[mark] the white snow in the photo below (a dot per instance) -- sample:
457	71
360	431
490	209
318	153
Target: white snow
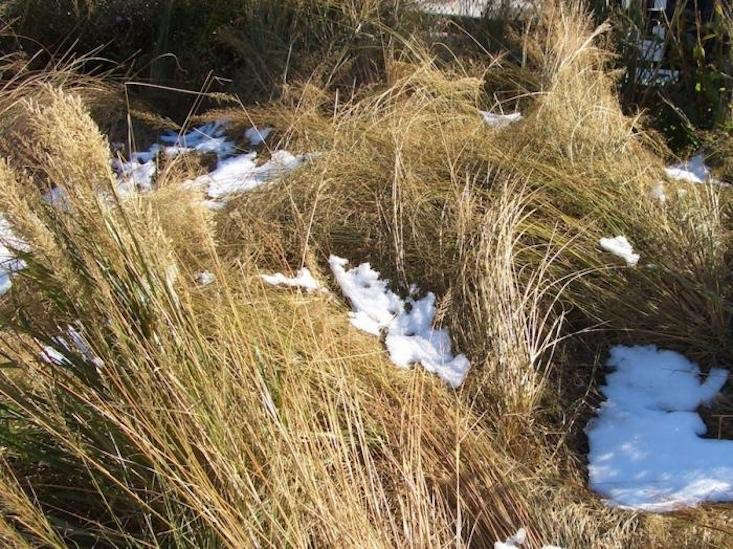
410	337
233	173
500	120
517	540
620	247
204	278
134	176
513	541
210	138
257	136
303	279
137	173
241	173
693	170
645	447
9	263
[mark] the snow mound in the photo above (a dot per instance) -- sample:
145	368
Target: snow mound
645	447
303	279
500	120
410	337
620	247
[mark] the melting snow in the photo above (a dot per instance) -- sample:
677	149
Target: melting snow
500	120
303	279
410	337
645	447
233	174
210	138
693	170
620	247
241	173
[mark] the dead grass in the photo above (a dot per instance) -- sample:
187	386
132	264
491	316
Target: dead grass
237	415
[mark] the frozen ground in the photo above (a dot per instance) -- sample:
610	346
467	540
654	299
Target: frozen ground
646	450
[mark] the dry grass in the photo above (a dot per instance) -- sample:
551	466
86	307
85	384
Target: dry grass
236	415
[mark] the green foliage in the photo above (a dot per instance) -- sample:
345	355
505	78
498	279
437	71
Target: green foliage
697	47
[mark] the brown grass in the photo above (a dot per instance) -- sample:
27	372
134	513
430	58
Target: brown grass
237	415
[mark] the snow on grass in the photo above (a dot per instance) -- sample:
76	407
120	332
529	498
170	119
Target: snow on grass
204	278
137	174
9	263
500	120
408	324
233	173
620	247
645	447
257	136
693	170
210	138
241	173
303	279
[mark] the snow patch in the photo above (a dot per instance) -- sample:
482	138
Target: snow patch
645	447
500	120
204	278
620	247
410	337
241	173
209	138
693	170
303	279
